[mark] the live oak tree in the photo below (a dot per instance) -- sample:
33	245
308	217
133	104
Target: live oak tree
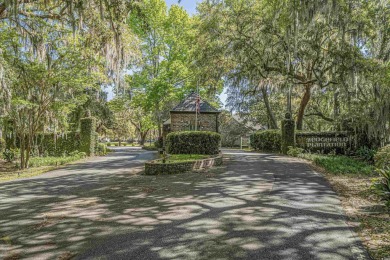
332	54
164	72
128	118
52	52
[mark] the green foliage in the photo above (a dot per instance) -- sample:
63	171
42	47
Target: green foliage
381	186
366	153
58	144
87	135
54	161
108	144
336	164
166	70
294	151
230	129
193	142
382	157
159	143
288	134
101	149
8	133
267	140
9	155
2	145
338	80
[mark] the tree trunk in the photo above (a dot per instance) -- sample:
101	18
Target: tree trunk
159	130
302	107
143	136
273	123
28	150
22	148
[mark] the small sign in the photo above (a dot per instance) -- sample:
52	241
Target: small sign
326	141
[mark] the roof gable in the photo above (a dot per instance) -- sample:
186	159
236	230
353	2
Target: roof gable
189	105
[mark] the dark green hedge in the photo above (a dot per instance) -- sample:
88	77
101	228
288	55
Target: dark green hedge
58	144
88	135
267	140
193	142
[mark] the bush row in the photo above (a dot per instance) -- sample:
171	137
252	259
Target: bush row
58	144
193	142
88	137
267	140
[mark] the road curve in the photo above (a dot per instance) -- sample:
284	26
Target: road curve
257	206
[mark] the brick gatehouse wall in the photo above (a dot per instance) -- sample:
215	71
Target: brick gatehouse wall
186	122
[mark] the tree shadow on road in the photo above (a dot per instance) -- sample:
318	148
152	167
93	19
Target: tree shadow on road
258	207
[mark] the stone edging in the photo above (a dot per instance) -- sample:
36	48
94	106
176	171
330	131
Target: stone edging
156	167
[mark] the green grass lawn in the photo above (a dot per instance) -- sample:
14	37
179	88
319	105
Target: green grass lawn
185	157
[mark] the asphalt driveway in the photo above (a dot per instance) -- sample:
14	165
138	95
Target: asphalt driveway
257	206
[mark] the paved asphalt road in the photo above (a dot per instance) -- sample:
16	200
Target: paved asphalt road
257	206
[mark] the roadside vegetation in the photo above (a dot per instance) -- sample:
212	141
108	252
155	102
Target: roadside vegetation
364	189
10	170
340	165
185	157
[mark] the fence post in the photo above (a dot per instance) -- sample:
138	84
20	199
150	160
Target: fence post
288	133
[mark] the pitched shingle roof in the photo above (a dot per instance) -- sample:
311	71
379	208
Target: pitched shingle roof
189	105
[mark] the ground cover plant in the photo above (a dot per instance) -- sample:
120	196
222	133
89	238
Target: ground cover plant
339	164
363	194
56	161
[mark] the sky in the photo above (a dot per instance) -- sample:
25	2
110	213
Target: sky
189	5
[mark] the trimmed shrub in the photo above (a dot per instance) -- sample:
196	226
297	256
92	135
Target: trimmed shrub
58	144
87	135
193	142
382	157
267	140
